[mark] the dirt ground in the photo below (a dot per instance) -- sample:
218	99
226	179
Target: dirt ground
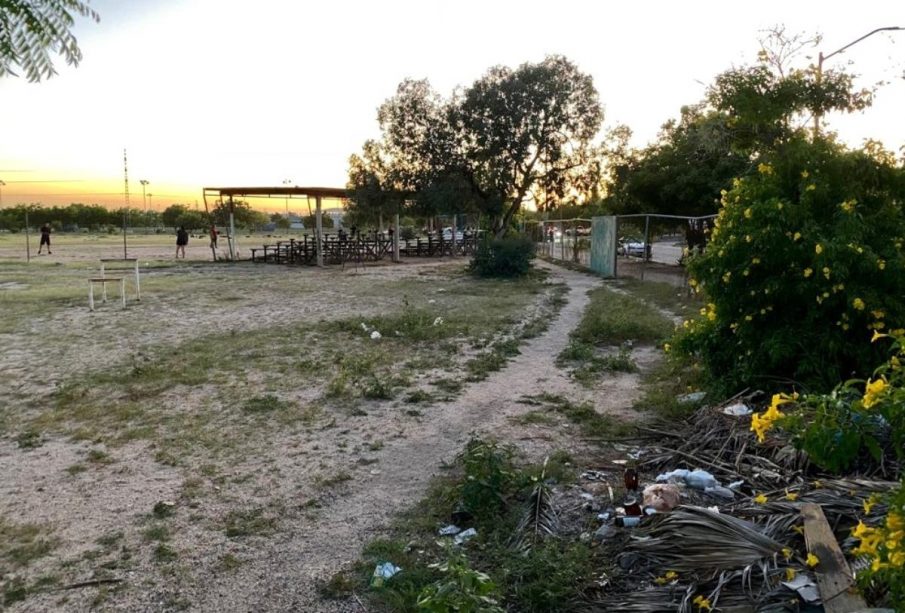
309	499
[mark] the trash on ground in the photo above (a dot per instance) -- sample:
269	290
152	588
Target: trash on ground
662	497
450	530
382	572
805	587
375	335
737	410
465	536
691	398
696	479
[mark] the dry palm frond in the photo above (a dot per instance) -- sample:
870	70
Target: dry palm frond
540	518
695	540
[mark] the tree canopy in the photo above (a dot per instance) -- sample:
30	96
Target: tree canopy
32	30
490	148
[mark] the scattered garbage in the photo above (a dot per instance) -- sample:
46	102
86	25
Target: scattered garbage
737	410
627	522
450	530
438	321
697	479
382	572
662	497
692	398
604	532
465	536
365	327
805	587
375	335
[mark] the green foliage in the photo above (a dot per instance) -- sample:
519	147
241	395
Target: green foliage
552	578
805	259
460	589
858	423
486	150
30	31
490	478
179	215
509	256
884	545
613	318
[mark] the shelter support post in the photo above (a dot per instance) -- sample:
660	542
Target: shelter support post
396	239
319	230
232	232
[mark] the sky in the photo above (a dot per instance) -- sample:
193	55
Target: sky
207	93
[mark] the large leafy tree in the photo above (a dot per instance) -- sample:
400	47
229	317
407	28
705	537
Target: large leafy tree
32	30
488	148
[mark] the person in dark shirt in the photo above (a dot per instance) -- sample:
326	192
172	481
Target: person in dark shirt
182	239
45	238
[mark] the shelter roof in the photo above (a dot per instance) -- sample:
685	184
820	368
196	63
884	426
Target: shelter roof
323	192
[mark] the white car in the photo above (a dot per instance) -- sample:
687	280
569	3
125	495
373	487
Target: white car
448	234
632	248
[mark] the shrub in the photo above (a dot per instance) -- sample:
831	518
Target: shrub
509	256
805	258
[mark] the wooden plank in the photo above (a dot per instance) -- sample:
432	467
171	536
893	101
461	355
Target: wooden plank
834	577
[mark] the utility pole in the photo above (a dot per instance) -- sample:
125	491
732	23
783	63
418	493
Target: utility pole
287	183
822	58
126	202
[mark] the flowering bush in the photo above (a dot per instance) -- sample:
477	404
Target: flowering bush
859	421
805	255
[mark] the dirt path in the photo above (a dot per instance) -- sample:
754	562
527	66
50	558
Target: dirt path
284	576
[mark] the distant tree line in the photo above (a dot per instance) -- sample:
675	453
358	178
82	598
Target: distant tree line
97	218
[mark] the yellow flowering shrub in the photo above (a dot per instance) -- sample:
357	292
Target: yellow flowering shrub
801	257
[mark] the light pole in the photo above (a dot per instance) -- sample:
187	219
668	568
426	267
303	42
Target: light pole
287	183
821	58
144	204
150	206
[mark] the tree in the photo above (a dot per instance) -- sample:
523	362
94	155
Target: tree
513	131
30	30
526	128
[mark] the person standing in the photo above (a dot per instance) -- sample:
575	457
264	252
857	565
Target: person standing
182	239
45	238
214	235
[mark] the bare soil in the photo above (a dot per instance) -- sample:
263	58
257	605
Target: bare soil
309	499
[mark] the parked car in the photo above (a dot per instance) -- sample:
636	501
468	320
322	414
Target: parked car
448	234
632	248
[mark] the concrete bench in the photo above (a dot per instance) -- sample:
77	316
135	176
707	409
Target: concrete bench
104	281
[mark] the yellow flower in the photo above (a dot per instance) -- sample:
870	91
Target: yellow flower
666	347
858	304
818	248
787	553
748	238
670	575
878	313
895	522
872	391
877	336
881	264
796	236
811	187
826	272
779	205
808	272
727	277
748	318
860	531
812	560
759	426
804	174
692	282
760	499
897	559
748	213
791	496
849	205
868	505
790	574
755	260
702	603
877	565
765	169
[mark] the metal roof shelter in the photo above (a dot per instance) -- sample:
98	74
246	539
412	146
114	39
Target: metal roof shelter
226	194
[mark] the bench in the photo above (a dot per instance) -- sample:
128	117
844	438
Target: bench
134	263
104	281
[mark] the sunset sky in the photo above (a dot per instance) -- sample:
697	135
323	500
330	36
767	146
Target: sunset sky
219	92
